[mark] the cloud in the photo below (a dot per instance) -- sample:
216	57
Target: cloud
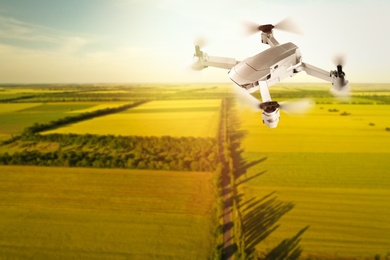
63	65
31	36
11	28
73	44
32	53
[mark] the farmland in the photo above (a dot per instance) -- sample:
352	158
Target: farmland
316	187
323	130
45	103
14	117
198	118
93	213
86	212
331	167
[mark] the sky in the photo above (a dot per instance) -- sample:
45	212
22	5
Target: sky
152	41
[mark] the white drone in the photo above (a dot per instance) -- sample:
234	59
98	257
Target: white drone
270	67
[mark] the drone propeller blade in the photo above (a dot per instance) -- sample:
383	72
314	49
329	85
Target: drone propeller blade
246	100
200	41
250	27
198	59
339	60
341	88
296	107
288	25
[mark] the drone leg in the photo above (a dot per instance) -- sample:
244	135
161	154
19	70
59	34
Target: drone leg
264	91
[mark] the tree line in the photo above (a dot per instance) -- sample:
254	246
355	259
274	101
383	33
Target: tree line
39	127
15	99
108	151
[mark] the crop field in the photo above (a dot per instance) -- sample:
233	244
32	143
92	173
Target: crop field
198	118
84	213
9	108
318	186
99	106
14	117
323	129
331	167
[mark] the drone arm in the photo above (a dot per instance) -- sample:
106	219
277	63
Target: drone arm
317	72
205	61
220	62
340	85
268	38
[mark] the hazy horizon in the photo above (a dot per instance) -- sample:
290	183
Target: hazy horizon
132	41
186	83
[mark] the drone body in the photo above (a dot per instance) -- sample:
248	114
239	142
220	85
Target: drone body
268	68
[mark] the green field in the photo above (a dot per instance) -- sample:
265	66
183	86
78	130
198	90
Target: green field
68	213
332	169
198	118
14	117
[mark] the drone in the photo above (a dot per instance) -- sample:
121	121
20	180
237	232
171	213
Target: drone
270	67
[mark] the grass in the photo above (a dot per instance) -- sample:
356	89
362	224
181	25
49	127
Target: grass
198	118
96	213
333	169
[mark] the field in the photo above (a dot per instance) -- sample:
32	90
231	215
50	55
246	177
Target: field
48	212
331	169
84	213
322	131
14	117
198	118
316	187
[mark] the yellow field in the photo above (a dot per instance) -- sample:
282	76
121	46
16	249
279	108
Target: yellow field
330	170
179	104
82	213
9	107
321	130
198	118
7	91
376	93
99	107
342	222
14	117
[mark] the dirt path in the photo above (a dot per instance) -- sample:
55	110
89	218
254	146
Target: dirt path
229	247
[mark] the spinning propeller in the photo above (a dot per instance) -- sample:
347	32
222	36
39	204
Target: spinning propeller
197	62
292	107
286	24
200	42
341	86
